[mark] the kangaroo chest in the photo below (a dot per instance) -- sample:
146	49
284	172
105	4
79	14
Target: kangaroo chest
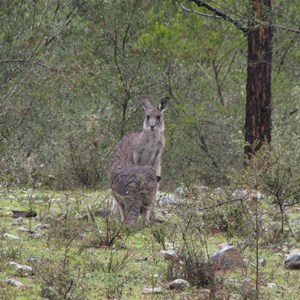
150	148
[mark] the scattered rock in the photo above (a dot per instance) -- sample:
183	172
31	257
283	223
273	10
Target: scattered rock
14	282
23	214
166	199
141	259
297	221
24	229
154	290
170	255
18	221
33	259
10	236
292	261
21	268
224	245
181	190
41	226
262	262
247	194
227	258
179	284
36	235
271	285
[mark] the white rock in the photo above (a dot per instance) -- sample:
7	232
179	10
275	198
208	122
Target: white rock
227	258
262	262
247	194
292	261
10	236
179	284
41	226
154	290
33	259
21	268
166	199
14	282
18	221
181	190
24	229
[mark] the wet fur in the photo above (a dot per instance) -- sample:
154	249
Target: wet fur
134	189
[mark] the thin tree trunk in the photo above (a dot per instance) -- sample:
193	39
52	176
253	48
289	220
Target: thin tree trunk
258	123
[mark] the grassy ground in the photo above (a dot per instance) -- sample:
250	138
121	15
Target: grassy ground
82	256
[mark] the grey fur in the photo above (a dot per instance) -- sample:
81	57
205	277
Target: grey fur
136	167
144	147
134	189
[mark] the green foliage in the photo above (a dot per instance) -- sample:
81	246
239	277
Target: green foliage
67	264
72	75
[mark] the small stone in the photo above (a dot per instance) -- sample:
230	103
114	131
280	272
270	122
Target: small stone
36	235
297	221
170	255
247	194
10	236
24	229
155	290
179	284
271	285
262	262
21	268
181	190
41	226
33	259
14	282
141	259
227	258
167	199
224	245
292	261
18	221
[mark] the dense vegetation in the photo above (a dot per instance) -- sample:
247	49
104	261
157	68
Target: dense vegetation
73	73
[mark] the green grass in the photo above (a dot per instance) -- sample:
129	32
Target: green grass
76	263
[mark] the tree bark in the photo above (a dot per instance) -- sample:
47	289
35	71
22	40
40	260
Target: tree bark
258	123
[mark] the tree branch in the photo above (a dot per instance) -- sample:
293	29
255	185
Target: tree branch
50	68
286	28
221	15
221	203
198	13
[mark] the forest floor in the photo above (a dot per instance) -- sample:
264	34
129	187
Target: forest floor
68	251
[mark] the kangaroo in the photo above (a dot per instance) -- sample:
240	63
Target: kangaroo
136	167
144	147
134	190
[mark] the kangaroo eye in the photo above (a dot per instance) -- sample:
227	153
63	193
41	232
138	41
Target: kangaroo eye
158	118
148	118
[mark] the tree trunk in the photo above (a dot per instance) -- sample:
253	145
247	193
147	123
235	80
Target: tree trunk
258	123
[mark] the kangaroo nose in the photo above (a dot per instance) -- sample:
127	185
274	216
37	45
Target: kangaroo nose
152	127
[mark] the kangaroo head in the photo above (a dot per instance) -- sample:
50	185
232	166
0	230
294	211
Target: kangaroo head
154	119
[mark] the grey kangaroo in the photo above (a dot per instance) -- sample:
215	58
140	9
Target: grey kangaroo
136	167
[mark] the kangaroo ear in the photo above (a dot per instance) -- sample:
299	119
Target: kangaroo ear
164	103
146	104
